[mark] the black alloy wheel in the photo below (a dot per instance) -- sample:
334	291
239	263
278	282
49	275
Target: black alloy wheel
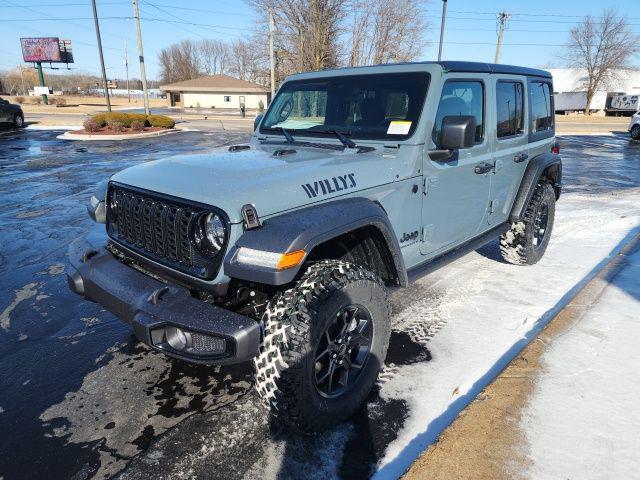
540	223
343	351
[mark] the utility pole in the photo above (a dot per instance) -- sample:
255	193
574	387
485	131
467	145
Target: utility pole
126	69
143	73
271	55
104	72
502	23
444	16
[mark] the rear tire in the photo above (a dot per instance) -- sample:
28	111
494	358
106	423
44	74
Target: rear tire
336	312
18	120
527	240
635	131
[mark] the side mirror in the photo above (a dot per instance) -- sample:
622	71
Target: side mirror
256	121
458	131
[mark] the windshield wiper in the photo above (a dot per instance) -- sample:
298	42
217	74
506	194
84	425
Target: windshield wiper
347	142
286	134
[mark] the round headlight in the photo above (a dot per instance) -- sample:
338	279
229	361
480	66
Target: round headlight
210	234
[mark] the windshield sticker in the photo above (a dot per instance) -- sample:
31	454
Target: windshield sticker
399	127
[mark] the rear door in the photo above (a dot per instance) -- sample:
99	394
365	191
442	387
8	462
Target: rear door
510	139
456	196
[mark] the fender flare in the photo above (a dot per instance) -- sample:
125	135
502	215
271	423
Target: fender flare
306	228
537	166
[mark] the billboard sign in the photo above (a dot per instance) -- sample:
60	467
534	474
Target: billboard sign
66	54
43	49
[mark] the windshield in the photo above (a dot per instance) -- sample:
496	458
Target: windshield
378	107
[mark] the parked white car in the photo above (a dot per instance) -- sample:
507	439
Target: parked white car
634	126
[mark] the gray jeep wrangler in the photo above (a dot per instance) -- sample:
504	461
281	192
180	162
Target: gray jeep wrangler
283	251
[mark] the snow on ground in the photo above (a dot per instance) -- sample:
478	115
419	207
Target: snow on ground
583	419
485	319
53	127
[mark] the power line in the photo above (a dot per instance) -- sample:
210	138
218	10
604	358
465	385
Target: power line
184	22
176	17
57	19
517	20
46	5
201	10
522	14
52	16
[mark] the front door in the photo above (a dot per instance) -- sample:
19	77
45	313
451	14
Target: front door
456	192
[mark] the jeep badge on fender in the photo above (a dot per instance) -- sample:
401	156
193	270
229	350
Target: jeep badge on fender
299	285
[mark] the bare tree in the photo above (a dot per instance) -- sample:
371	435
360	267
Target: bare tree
214	56
384	31
600	46
307	32
247	60
180	61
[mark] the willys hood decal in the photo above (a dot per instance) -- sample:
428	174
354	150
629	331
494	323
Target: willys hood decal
229	180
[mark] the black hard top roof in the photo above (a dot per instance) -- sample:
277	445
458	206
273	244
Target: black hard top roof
454	66
450	66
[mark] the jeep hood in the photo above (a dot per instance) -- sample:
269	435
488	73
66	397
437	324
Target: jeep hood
229	180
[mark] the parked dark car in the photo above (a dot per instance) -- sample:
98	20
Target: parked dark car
11	113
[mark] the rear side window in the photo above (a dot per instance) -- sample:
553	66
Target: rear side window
541	111
461	98
509	108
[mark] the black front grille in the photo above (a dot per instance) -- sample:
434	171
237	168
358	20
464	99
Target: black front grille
158	227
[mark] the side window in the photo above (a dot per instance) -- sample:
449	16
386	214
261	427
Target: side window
227	98
541	112
461	97
509	109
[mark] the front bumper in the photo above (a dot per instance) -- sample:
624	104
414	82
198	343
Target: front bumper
150	306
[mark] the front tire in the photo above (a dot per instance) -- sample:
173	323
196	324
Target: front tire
325	341
635	131
527	240
18	120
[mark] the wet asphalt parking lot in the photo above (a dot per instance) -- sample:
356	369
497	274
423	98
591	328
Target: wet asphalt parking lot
81	398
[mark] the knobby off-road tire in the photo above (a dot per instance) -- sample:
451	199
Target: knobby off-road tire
523	244
295	327
635	131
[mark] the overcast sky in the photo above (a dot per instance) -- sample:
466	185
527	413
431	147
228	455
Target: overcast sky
535	34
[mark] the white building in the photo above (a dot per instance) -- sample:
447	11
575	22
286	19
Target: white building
217	91
569	85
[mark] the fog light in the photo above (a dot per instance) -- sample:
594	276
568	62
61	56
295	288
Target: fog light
177	339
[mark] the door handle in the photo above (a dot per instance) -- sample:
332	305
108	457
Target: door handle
483	168
521	157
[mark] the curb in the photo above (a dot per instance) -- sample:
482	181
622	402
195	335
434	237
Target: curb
127	136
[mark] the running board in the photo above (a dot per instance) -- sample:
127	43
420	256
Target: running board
440	261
